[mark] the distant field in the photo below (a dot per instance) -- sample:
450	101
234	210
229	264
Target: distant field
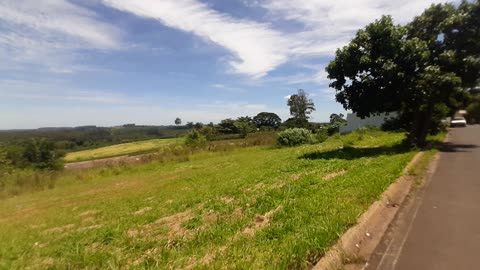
118	150
250	208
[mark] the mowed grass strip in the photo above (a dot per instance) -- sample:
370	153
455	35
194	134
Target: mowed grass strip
119	150
252	208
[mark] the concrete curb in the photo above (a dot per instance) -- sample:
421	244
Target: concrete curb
359	242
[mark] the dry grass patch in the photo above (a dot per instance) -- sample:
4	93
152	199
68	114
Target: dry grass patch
172	223
333	175
260	222
60	229
88	213
142	211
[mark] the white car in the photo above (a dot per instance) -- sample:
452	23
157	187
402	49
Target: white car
458	122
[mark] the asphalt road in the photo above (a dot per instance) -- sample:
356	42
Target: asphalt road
439	227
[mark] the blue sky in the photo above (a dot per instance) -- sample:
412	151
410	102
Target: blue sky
110	62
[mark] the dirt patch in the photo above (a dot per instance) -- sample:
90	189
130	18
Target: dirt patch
149	253
37	226
333	175
296	176
142	211
172	223
260	222
46	263
81	165
227	199
94	247
211	217
89	213
88	228
60	229
89	220
237	213
254	187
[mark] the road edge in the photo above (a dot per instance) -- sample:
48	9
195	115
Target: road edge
354	248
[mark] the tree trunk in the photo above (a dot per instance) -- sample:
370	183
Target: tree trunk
420	126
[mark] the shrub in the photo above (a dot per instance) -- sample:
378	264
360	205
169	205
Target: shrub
42	155
294	136
319	136
195	139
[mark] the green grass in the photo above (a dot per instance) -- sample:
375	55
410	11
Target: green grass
250	208
119	150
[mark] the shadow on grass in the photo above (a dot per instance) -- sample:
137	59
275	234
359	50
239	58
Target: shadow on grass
350	153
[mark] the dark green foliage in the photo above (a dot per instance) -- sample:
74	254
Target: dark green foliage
267	119
294	136
42	154
227	126
421	70
82	138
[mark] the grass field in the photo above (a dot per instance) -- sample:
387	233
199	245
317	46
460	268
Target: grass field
251	208
119	150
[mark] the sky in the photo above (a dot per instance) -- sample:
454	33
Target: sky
111	62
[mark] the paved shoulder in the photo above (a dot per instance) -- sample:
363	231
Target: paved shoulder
440	228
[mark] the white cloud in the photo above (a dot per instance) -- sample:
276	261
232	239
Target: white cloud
257	48
48	33
340	16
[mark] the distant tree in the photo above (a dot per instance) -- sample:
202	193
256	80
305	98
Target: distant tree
178	121
300	107
42	154
198	125
244	125
227	126
337	119
421	70
267	119
190	125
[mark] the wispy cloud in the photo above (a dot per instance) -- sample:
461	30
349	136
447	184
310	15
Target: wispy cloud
257	49
48	33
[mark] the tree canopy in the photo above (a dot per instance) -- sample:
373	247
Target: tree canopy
267	119
422	70
300	107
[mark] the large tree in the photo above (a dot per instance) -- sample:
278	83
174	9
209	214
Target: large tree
267	119
414	70
301	106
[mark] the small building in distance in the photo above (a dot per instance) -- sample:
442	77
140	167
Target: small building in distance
354	122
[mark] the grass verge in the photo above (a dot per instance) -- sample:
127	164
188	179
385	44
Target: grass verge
255	207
